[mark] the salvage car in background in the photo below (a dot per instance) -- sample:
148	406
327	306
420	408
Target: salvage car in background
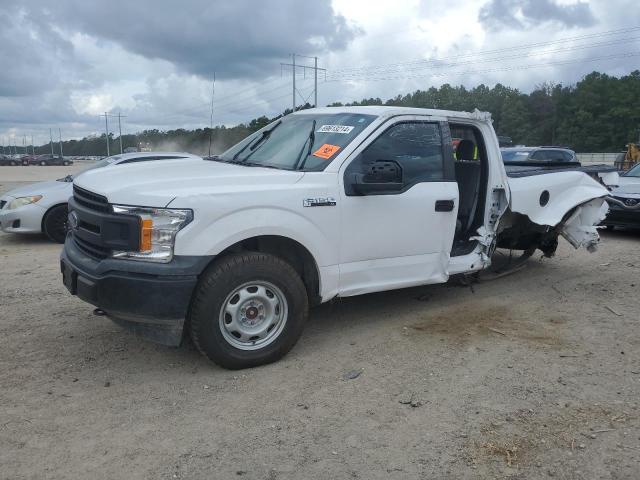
630	177
7	161
627	216
42	207
550	155
49	160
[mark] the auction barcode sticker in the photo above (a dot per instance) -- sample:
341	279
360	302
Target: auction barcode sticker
335	129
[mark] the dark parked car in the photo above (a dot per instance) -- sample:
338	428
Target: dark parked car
538	155
624	217
6	161
48	159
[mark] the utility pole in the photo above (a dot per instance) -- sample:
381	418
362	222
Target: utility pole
294	69
51	141
213	92
120	132
60	138
293	57
3	145
106	116
106	129
24	143
33	146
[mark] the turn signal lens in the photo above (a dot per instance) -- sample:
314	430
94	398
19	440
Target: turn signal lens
146	228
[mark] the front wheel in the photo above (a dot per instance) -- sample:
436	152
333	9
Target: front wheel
54	223
43	163
249	309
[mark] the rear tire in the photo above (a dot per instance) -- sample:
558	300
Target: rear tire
249	309
54	224
43	163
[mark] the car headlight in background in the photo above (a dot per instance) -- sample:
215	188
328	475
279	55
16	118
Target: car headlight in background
22	201
158	230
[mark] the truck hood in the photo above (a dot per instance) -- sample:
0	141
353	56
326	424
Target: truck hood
156	184
40	188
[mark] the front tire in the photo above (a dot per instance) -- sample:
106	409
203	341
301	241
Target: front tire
43	163
54	224
249	309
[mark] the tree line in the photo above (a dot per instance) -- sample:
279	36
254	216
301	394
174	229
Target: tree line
601	113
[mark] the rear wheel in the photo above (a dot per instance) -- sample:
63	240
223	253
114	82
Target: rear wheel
43	163
54	223
13	163
249	309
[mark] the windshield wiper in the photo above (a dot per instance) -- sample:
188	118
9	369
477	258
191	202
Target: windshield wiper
310	138
256	143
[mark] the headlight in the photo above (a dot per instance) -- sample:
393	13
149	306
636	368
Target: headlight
158	230
22	201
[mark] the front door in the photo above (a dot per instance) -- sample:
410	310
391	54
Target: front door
399	234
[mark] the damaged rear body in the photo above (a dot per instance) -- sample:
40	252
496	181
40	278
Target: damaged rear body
545	205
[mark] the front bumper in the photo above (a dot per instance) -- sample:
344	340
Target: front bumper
151	299
26	219
619	217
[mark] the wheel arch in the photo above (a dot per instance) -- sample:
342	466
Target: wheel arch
61	204
289	250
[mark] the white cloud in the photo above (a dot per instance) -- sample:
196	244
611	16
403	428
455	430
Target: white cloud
67	72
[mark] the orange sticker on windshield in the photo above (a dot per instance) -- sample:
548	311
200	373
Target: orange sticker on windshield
326	151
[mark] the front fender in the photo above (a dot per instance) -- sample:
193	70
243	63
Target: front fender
215	237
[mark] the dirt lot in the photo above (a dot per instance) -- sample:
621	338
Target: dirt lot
532	375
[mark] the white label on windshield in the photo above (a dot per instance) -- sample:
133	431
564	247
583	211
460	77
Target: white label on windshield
335	129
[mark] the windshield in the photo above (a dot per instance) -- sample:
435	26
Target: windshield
514	155
304	142
634	172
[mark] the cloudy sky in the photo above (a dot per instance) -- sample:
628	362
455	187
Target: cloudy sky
66	62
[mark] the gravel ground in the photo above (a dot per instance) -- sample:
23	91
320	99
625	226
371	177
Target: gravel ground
533	375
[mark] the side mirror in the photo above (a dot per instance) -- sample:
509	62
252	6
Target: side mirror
382	176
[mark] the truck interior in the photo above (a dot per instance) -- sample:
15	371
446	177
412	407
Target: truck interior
471	169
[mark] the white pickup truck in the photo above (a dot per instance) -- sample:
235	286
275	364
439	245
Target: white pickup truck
323	203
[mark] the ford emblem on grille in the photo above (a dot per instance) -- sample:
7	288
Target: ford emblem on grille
72	222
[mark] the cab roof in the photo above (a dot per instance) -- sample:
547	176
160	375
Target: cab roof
387	111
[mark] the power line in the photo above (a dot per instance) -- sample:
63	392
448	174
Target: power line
499	50
500	69
438	64
304	68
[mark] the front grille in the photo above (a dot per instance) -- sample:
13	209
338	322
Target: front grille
91	200
91	249
96	230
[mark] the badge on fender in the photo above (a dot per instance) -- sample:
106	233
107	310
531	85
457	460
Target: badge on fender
319	202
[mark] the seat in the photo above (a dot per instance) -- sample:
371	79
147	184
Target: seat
468	179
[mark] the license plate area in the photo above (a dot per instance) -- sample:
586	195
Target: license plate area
69	278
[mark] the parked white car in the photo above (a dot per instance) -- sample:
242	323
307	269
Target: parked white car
42	207
630	177
322	203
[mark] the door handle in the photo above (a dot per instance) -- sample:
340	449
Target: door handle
444	205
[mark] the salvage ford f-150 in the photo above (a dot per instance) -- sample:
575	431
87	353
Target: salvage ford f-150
322	203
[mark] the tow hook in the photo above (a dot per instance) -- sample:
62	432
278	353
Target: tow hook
98	312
